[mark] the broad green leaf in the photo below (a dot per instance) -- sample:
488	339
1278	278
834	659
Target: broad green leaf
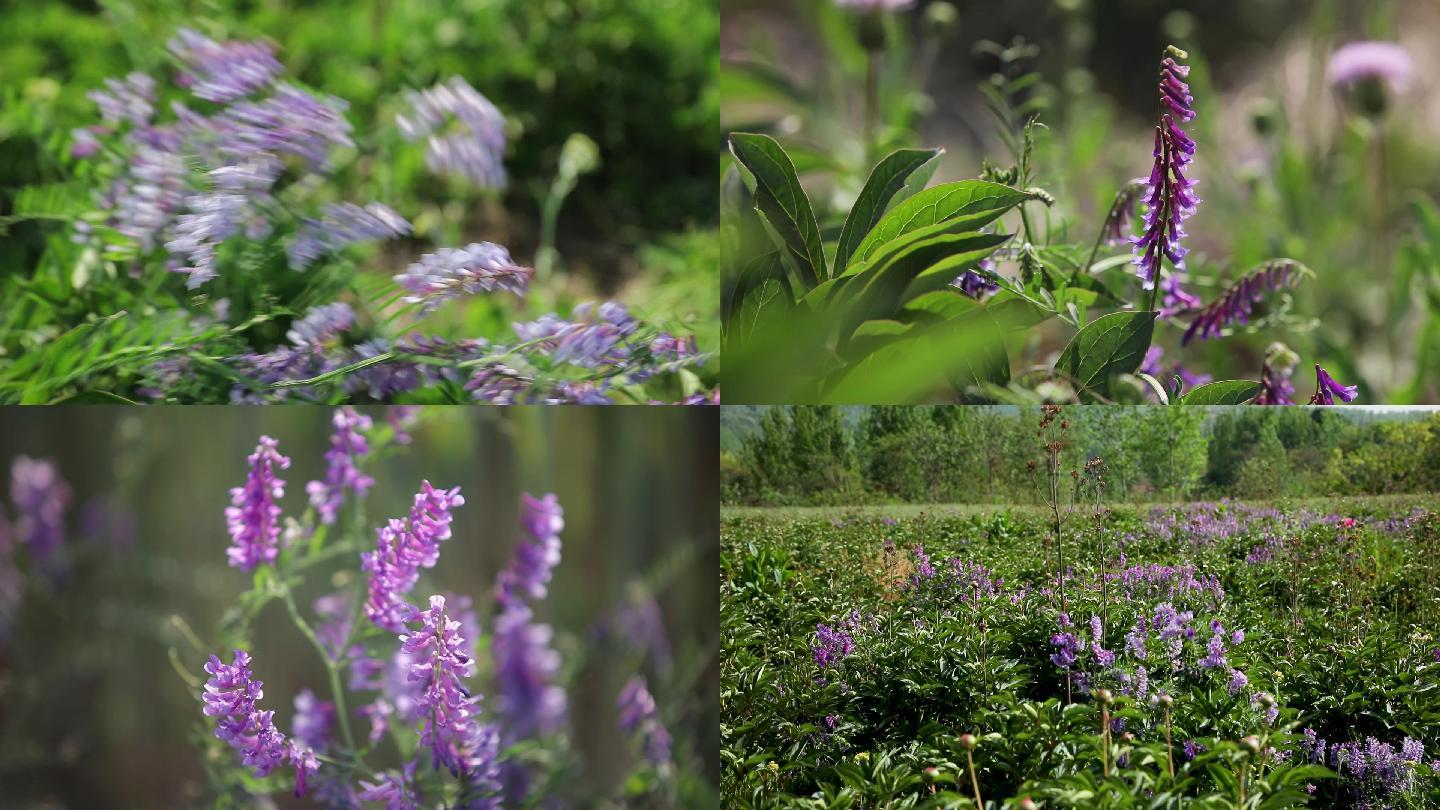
781	200
964	351
937	205
886	180
1225	392
872	335
1114	344
763	292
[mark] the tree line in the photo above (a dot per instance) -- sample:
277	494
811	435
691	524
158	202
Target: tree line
828	455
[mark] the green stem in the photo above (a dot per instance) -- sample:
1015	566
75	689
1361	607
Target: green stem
330	669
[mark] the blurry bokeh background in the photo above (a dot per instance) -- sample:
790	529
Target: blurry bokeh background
1288	164
93	715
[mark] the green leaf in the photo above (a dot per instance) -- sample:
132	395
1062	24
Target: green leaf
937	205
1225	392
781	200
886	180
1114	344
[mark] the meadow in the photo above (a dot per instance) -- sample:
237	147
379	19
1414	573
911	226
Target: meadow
1204	654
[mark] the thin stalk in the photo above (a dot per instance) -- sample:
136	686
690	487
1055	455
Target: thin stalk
974	780
1105	739
1169	750
331	671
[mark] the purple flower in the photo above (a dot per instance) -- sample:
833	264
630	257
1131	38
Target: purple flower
1170	199
41	497
537	554
1386	62
230	697
223	72
395	789
638	716
1070	646
1237	303
452	272
451	730
343	224
342	471
1192	749
1215	652
321	324
289	121
401	419
253	517
314	721
1326	389
1275	385
1117	220
593	339
977	284
464	132
831	645
527	699
130	99
402	549
1237	681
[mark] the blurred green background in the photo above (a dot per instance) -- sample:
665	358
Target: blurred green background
1286	164
637	77
92	714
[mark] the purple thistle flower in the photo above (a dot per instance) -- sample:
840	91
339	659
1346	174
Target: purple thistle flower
41	497
451	730
1170	200
314	721
1386	62
343	224
230	697
253	517
638	716
471	145
452	272
1326	389
223	72
537	554
321	324
342	471
402	549
1236	305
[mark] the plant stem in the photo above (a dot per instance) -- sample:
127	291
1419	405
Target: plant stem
1169	751
1105	740
873	59
332	673
974	780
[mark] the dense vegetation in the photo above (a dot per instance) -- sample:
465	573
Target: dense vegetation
827	455
1223	655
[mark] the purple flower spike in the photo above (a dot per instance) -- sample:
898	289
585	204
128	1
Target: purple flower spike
1326	389
254	516
223	72
537	553
402	549
638	716
314	720
321	324
230	697
1170	199
41	497
394	789
130	99
464	132
454	272
347	447
344	224
451	729
1236	305
525	668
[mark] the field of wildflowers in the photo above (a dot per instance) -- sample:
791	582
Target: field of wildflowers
1083	652
347	204
366	638
1135	203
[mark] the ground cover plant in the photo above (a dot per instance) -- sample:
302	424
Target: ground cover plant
349	650
1083	652
213	219
1076	259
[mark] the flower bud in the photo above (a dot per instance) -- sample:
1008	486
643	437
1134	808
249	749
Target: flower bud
1027	804
967	741
1166	701
941	19
1251	744
931	773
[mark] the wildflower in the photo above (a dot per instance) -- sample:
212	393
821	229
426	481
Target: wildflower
401	418
470	145
537	554
253	517
1385	62
41	497
342	471
1237	681
130	99
223	72
403	547
1117	220
1192	749
1326	389
638	716
230	697
1069	646
451	730
314	720
525	670
394	788
321	324
1275	385
977	284
452	272
1170	200
1215	652
832	645
290	121
343	224
1236	305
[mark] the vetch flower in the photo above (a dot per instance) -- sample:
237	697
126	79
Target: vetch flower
253	517
314	720
1237	681
1326	389
638	716
450	273
451	730
343	224
537	554
230	696
131	99
1170	199
394	788
464	132
342	471
321	324
223	72
40	497
402	549
1237	303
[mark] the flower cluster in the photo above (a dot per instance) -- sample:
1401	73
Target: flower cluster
342	471
1326	389
40	497
253	516
452	272
1372	762
638	716
472	146
1238	302
1170	199
537	553
230	697
402	548
831	645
